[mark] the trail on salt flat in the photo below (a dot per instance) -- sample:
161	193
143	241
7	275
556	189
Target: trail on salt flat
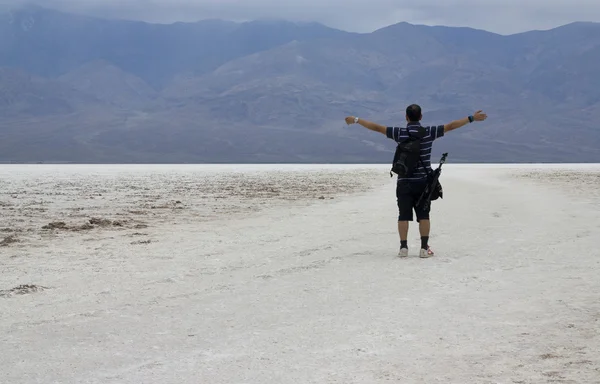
265	288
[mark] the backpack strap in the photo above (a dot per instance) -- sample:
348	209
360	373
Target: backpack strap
429	173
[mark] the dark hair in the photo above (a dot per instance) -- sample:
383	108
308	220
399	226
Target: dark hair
413	112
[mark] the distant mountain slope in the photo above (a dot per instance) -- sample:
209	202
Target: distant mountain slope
112	85
81	89
23	94
51	43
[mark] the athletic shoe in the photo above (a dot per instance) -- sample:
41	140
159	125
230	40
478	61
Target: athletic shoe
403	252
425	253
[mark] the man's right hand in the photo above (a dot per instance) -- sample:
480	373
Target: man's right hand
479	116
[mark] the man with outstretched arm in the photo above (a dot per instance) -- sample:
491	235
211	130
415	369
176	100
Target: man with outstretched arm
410	188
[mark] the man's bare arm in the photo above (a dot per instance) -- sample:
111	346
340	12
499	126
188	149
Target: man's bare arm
365	123
456	124
478	116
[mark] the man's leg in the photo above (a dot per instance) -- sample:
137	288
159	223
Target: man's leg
405	215
403	232
424	228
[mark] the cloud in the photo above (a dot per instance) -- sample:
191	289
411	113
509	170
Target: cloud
501	16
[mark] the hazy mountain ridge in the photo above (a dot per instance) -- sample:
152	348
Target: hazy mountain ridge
111	85
119	91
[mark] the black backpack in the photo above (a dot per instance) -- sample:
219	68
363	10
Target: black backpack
408	154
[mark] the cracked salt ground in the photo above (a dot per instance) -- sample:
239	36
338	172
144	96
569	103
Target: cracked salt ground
301	289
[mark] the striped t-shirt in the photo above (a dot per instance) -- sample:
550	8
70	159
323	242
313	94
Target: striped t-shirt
431	133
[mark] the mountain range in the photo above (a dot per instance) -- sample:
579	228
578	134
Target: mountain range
75	88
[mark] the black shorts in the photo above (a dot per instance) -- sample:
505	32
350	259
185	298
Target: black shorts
407	195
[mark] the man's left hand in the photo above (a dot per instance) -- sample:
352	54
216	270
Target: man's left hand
350	120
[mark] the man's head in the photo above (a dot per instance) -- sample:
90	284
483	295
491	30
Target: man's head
413	113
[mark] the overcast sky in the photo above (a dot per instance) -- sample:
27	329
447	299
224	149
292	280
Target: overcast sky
500	16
